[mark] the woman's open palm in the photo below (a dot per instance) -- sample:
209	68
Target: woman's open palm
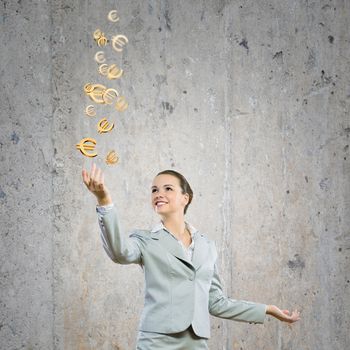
284	315
95	182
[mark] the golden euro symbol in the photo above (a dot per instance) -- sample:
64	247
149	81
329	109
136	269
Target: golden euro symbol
83	146
112	158
103	126
118	42
113	16
100	38
102	41
103	69
100	57
95	92
90	111
109	95
114	72
97	34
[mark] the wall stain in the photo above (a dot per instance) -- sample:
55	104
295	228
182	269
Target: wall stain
167	19
320	86
296	263
278	56
167	106
325	80
311	61
244	43
325	184
202	15
14	137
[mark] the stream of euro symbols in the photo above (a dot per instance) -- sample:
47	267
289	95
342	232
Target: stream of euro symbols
102	95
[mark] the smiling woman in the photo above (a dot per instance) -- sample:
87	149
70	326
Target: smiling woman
182	284
171	193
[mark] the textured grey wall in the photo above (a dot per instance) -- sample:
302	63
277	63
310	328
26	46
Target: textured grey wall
248	99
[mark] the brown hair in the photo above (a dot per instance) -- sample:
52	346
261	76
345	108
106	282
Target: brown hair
185	186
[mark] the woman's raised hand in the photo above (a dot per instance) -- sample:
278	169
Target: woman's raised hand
95	184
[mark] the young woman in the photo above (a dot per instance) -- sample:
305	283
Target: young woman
182	285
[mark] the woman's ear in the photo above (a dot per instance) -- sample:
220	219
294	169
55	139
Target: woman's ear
187	197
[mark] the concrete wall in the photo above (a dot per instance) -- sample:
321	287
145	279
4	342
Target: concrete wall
248	99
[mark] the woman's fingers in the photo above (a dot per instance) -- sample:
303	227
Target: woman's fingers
94	177
83	174
86	177
295	316
93	170
98	179
97	182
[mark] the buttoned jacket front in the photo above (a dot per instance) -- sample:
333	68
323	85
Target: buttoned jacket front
178	292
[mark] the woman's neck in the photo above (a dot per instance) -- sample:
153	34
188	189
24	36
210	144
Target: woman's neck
176	225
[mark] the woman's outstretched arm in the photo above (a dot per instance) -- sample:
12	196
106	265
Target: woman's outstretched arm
123	250
238	310
241	310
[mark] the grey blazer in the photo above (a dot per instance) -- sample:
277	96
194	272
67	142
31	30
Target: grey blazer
178	292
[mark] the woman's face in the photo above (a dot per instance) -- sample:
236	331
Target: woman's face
166	196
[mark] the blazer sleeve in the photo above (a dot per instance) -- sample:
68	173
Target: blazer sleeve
237	310
120	249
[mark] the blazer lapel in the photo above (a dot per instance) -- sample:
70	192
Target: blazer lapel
170	244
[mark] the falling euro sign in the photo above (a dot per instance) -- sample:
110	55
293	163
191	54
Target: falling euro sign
118	42
104	126
83	146
112	158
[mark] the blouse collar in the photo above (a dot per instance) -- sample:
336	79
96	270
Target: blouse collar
160	226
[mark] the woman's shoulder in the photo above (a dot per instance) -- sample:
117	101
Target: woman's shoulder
142	233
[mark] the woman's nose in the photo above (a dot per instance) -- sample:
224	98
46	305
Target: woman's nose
159	194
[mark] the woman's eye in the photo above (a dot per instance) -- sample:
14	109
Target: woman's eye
168	188
153	190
